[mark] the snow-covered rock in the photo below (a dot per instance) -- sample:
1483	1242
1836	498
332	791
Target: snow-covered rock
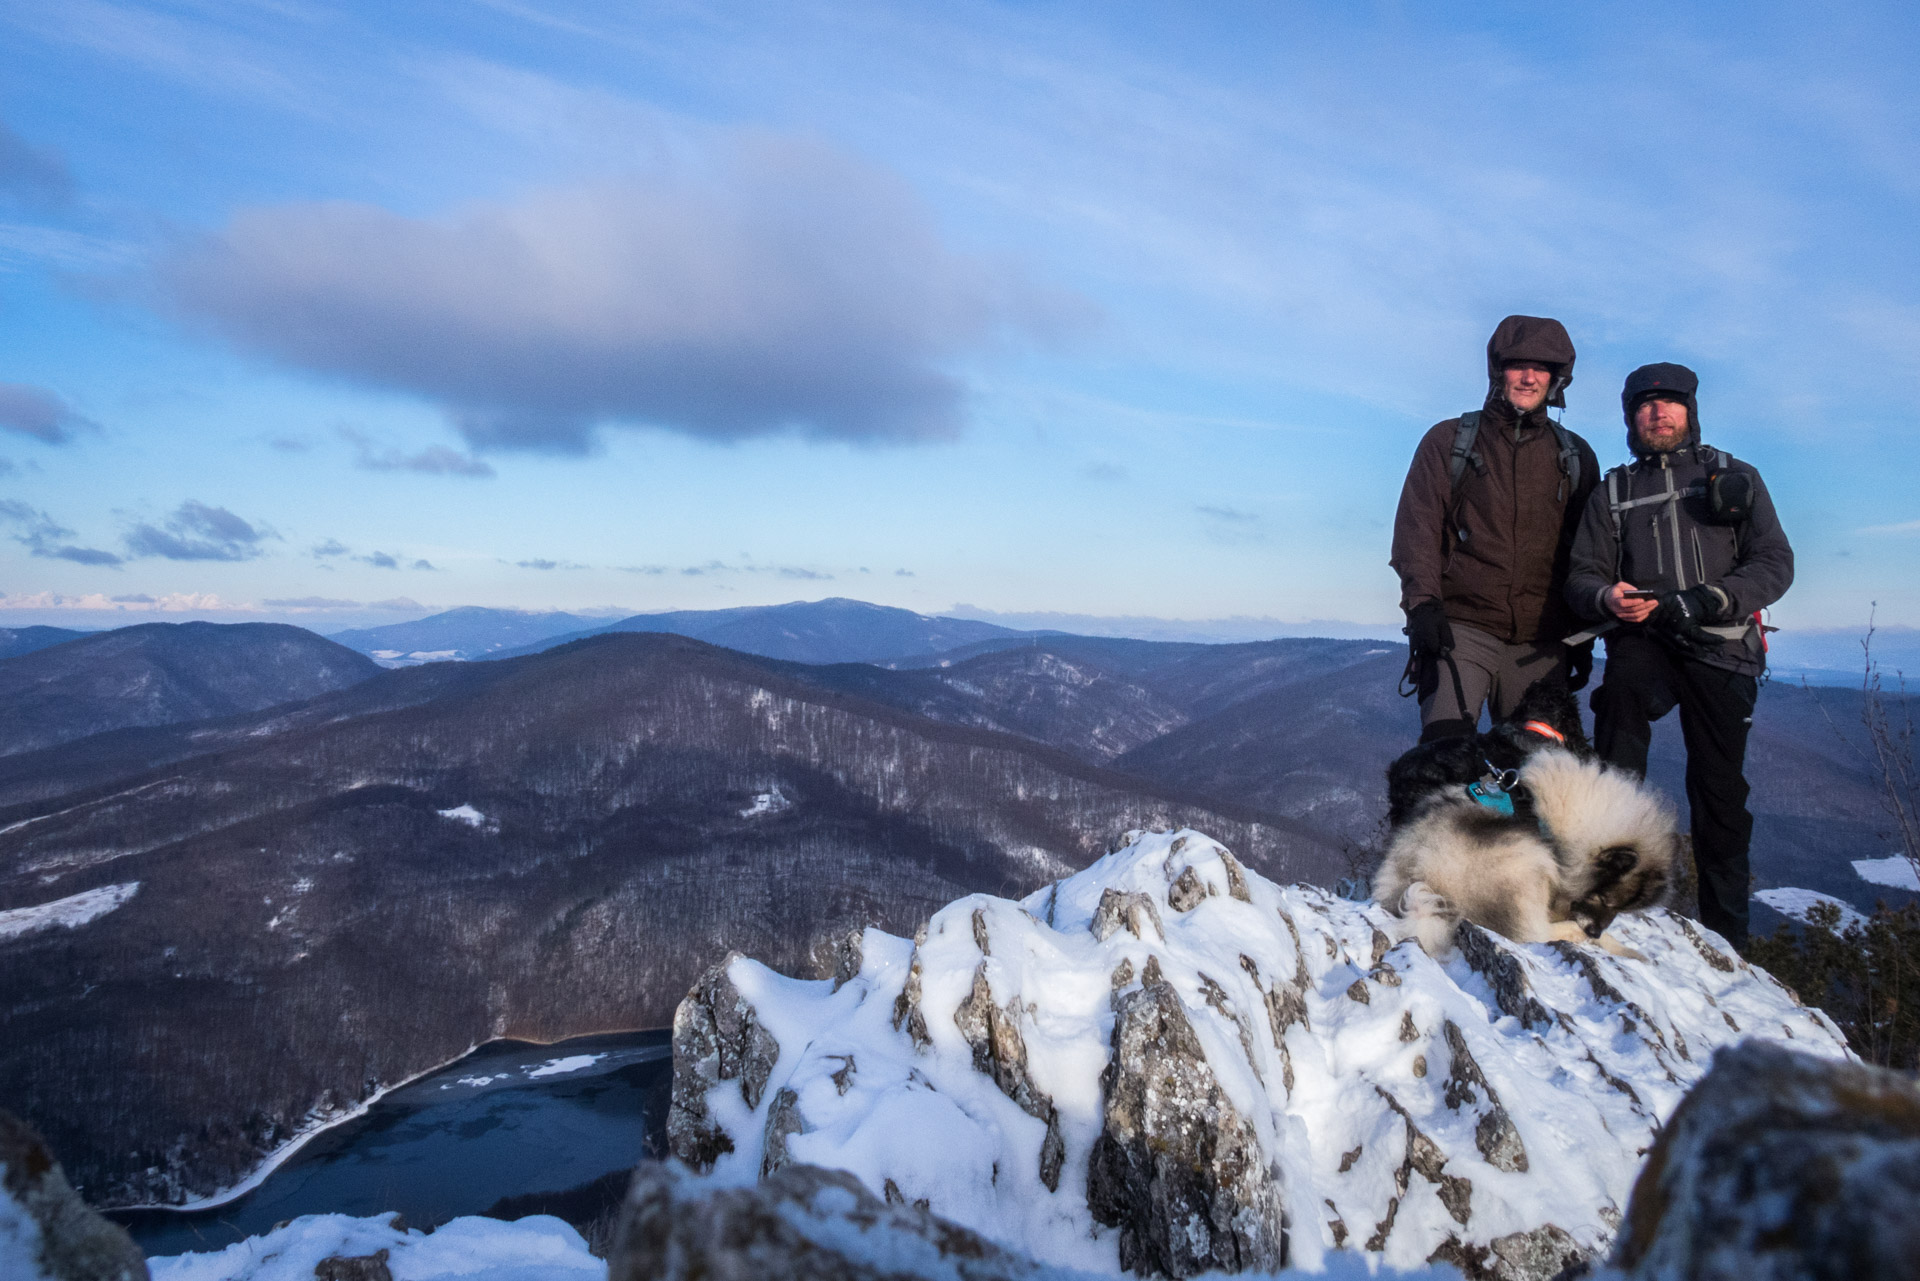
536	1248
1169	1064
1781	1165
805	1223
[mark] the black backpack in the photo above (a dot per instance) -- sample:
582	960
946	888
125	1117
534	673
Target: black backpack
1464	454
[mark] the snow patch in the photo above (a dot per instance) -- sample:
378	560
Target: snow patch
464	814
560	1067
536	1248
1895	872
72	911
1796	903
771	801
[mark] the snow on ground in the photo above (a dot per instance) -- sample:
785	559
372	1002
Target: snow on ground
560	1067
1795	903
1896	872
464	814
1351	1057
72	911
536	1248
771	801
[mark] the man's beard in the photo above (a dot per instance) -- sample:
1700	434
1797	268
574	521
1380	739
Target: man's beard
1663	441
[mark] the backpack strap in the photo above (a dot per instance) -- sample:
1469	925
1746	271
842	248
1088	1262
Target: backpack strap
1569	457
1463	452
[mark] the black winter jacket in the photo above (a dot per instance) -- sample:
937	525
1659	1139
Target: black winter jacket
1671	546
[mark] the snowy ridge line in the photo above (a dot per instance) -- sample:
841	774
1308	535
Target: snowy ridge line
1023	1069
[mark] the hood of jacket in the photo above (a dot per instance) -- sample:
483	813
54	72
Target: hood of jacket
1537	338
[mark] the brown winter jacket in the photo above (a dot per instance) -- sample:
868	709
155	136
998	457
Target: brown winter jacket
1506	577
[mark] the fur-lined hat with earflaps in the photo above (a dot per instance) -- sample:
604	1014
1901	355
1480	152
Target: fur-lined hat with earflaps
1537	338
1667	381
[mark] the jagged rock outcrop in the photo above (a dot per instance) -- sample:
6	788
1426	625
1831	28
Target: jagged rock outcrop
802	1223
47	1233
1168	1063
715	1038
1176	1168
1780	1164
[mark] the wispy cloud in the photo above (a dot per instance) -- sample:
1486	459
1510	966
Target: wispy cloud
32	175
387	560
720	568
43	536
303	604
435	460
1902	527
542	563
39	413
197	531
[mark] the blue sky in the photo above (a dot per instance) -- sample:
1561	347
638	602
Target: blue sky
334	312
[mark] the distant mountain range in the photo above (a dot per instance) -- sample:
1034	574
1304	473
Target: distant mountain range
823	631
24	640
463	634
163	673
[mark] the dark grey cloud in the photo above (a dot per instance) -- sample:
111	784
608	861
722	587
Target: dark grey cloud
197	531
32	175
435	460
781	287
43	536
39	413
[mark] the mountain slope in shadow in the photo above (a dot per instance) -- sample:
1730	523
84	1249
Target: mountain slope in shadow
162	673
337	895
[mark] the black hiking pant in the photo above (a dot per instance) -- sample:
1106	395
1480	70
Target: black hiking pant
1644	681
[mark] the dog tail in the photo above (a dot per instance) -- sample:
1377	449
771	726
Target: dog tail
1430	917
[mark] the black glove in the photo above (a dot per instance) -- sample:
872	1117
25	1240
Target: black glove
1695	607
1579	666
1680	619
1429	634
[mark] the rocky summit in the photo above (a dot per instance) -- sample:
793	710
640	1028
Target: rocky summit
1168	1065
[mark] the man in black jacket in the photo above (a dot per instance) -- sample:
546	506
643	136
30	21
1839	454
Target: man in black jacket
1678	552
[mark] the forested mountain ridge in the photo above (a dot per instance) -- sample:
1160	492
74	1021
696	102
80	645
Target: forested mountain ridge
164	673
350	891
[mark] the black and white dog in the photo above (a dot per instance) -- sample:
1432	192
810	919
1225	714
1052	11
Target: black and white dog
1521	831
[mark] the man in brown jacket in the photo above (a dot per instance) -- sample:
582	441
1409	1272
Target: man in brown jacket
1481	539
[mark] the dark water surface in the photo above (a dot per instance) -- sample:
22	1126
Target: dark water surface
508	1129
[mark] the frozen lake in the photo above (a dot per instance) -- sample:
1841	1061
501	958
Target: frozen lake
512	1128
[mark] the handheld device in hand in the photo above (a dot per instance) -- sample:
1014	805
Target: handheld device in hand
1640	595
